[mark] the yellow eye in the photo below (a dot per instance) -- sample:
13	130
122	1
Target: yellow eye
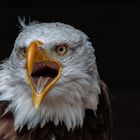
61	49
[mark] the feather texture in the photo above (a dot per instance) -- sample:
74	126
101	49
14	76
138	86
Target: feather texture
77	107
97	127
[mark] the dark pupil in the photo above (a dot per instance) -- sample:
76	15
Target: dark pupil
61	49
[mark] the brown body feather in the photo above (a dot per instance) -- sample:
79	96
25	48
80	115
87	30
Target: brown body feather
96	127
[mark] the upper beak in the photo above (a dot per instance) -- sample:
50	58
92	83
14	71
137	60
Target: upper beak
42	71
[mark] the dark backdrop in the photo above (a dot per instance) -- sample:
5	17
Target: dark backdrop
114	29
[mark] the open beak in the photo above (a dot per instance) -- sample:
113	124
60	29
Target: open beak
42	71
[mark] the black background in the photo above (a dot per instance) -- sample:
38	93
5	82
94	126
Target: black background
114	29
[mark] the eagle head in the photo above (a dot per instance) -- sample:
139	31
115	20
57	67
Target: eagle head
50	76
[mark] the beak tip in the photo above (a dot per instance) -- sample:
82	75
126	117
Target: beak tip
36	102
36	106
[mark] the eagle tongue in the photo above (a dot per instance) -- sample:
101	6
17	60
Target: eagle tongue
41	84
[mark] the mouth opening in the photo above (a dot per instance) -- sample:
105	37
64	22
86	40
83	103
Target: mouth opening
43	74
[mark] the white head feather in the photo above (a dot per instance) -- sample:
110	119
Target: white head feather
76	90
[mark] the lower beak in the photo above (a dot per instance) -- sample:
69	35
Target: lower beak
42	72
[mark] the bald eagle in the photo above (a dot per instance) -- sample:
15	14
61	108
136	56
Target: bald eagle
50	88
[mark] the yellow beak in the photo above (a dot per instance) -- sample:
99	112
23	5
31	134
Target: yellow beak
42	71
